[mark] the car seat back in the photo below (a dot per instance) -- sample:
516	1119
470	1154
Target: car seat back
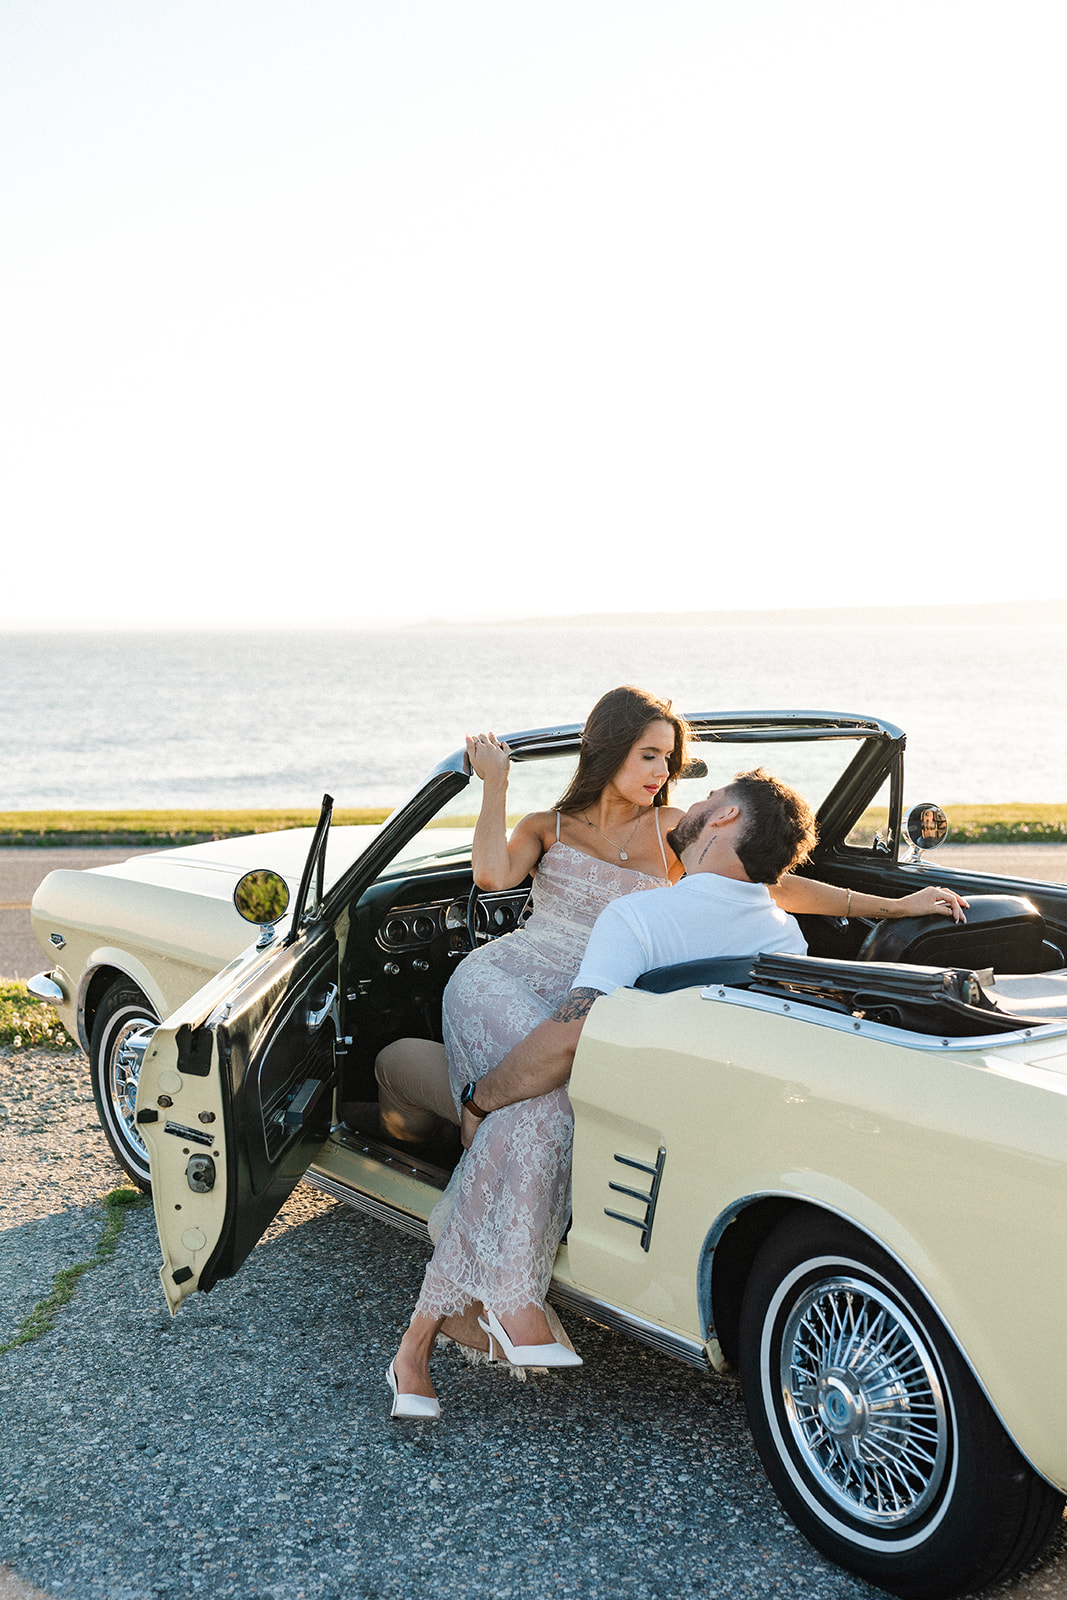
1003	931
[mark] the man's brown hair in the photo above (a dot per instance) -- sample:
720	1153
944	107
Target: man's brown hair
779	829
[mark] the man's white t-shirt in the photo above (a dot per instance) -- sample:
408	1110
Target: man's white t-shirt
702	917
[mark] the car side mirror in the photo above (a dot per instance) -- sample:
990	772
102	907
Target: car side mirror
926	827
262	898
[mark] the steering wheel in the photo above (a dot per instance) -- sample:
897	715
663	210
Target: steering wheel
472	919
506	920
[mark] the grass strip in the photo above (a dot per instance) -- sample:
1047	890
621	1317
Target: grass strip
39	1321
27	1023
1009	824
1021	823
160	829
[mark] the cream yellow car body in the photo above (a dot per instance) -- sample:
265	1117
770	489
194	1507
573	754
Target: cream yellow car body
954	1160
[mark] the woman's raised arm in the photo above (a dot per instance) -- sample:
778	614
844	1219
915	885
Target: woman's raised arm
496	861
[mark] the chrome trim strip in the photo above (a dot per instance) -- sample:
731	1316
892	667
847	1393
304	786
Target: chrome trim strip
415	1227
803	1011
677	1345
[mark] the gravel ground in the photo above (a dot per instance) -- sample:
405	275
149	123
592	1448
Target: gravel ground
244	1449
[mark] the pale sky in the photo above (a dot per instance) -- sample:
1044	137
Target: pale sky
369	308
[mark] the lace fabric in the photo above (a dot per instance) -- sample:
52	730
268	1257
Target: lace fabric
497	1226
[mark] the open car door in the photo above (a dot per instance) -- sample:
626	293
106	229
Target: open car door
237	1087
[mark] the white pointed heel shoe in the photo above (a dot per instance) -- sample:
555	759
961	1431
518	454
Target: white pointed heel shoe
525	1355
410	1405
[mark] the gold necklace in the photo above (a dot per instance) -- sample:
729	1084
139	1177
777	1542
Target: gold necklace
623	854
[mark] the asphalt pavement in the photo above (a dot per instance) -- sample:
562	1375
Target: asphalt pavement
21	870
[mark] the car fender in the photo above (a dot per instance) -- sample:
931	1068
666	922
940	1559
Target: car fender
108	965
723	1265
730	1248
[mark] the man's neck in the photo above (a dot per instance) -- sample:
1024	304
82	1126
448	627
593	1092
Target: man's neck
715	858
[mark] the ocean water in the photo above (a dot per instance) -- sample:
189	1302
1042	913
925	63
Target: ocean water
215	718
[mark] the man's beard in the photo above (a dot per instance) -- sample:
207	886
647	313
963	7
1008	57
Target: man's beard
681	836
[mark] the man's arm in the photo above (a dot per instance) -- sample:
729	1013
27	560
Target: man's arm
797	895
538	1064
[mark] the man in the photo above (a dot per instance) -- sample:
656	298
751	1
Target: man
732	845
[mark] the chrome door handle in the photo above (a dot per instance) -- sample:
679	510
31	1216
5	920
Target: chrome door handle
329	1008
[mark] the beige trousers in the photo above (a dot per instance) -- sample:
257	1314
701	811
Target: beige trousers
413	1089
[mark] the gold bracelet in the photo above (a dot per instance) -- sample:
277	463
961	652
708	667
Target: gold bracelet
848	903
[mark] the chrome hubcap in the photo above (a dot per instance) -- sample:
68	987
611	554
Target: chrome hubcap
864	1401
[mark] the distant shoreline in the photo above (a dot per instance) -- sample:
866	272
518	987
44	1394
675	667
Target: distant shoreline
1007	613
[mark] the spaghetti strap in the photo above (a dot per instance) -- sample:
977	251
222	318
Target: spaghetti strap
557	827
659	836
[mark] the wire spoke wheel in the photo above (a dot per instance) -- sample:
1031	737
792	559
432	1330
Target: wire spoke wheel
870	1425
123	1070
864	1401
115	1066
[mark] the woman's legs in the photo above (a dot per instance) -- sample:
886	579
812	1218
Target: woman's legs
496	1231
411	1364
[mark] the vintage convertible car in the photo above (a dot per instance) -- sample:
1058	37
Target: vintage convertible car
844	1173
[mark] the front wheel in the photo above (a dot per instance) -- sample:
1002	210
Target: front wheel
872	1430
115	1068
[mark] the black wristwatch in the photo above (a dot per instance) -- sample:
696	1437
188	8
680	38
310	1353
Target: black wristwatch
467	1099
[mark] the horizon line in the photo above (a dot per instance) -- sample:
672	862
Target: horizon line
913	612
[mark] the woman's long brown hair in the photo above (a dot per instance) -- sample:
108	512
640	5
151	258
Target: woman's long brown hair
611	730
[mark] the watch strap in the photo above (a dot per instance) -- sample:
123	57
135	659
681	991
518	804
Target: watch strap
467	1099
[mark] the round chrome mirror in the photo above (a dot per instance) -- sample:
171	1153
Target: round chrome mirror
926	826
261	897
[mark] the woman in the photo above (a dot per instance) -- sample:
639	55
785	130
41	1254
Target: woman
606	837
498	1226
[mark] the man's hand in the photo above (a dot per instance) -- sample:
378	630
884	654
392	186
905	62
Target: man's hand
538	1064
468	1126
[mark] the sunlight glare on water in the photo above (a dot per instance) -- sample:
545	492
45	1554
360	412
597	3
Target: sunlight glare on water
234	719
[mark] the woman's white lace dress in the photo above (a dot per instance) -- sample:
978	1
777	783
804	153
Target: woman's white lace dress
498	1224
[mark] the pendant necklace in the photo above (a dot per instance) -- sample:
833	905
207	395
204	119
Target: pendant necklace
623	854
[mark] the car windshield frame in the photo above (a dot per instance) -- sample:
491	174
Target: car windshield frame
877	756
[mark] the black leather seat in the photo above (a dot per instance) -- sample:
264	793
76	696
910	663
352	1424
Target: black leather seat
1003	931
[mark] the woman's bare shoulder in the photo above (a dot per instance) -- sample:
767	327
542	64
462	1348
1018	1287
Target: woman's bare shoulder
536	825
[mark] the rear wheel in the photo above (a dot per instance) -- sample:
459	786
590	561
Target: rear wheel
115	1068
875	1435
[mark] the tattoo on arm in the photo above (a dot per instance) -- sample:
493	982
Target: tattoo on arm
576	1005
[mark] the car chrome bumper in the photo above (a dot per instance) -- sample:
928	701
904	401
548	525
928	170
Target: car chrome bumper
44	987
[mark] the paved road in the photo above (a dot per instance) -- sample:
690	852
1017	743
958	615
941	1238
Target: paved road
21	870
